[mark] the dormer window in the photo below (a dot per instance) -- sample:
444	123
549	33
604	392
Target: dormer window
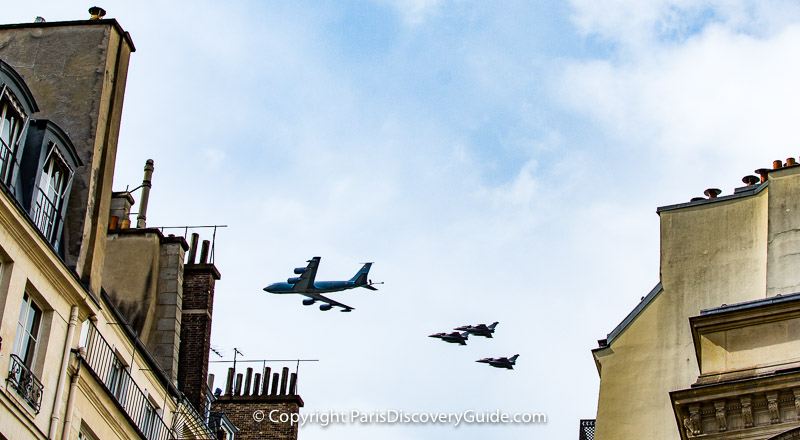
16	106
55	178
48	164
10	128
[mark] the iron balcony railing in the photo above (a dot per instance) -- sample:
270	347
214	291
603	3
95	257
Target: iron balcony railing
46	217
587	429
189	424
25	382
107	367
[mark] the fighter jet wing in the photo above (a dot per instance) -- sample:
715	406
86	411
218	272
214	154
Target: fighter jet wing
307	277
324	299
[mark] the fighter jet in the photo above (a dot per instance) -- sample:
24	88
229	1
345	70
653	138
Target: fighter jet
454	338
306	286
478	330
502	362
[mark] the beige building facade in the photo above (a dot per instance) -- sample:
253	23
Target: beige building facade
105	322
711	351
77	367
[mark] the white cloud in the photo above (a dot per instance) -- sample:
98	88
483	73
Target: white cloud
638	24
721	91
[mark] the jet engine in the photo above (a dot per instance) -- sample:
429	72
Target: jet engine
309	301
299	270
325	307
293	280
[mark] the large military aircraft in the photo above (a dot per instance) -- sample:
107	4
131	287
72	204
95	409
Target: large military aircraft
502	362
306	285
455	337
478	330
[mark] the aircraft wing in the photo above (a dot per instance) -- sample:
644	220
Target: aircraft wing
307	277
324	299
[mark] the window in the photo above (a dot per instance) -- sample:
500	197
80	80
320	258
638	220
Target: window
86	433
20	374
50	195
149	418
30	318
117	380
10	129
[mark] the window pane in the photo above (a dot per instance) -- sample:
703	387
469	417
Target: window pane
30	317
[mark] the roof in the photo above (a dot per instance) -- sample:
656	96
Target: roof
778	299
634	313
744	191
105	21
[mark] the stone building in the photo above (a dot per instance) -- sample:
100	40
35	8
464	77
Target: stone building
105	324
712	351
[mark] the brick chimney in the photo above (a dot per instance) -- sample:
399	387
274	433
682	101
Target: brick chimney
265	392
198	305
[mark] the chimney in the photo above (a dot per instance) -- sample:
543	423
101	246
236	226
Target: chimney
96	13
121	203
196	317
712	193
146	184
750	180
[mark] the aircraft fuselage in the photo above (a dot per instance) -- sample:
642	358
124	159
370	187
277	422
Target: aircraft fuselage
319	287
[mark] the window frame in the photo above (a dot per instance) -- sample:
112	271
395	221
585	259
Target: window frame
10	151
49	222
28	304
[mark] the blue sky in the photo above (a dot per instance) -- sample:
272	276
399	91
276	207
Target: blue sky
497	160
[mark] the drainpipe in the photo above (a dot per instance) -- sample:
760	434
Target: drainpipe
62	375
73	391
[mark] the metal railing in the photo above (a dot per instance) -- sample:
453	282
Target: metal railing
189	424
46	217
105	364
587	429
186	234
25	382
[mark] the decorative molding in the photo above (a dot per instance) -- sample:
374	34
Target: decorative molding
722	421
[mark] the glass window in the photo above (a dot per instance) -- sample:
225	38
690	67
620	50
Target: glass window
52	186
10	128
30	317
148	424
117	379
86	433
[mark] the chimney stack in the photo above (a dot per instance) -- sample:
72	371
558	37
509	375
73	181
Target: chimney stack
146	184
750	180
196	317
712	193
96	13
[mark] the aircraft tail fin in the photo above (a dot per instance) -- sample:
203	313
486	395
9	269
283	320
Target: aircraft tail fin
491	327
514	358
360	278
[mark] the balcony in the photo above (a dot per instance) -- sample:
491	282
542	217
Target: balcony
25	382
46	216
107	369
